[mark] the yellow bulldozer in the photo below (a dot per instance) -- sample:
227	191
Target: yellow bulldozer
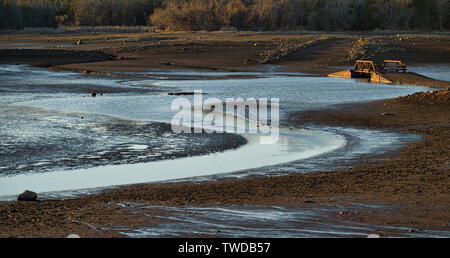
393	66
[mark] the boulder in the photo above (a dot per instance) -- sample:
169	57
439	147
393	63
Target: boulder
373	236
27	196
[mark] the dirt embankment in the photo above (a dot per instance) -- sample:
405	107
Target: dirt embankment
317	53
416	79
410	48
52	57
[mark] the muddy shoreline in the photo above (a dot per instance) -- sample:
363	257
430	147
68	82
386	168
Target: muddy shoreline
414	179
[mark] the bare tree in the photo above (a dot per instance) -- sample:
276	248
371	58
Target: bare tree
394	14
442	7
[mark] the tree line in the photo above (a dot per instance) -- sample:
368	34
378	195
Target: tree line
176	15
18	14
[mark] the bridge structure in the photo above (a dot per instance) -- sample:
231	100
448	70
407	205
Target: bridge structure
368	69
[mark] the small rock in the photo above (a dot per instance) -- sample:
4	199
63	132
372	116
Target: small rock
73	236
27	196
79	42
386	114
373	236
93	94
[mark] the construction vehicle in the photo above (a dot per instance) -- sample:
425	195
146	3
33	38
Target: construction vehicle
393	66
